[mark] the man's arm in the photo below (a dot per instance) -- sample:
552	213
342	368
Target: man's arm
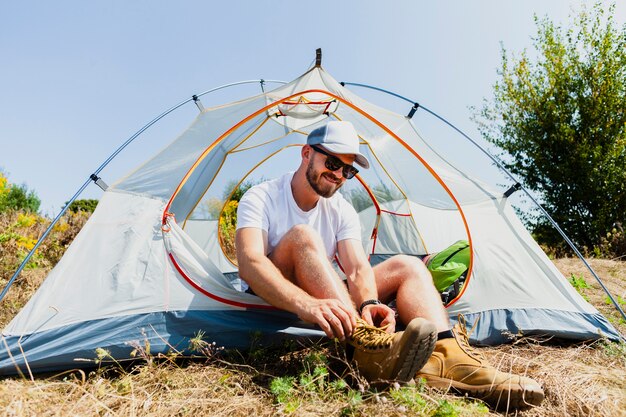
270	284
362	284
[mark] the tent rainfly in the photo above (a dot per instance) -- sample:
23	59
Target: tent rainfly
153	264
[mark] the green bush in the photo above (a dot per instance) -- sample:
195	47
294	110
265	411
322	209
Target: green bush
87	205
557	117
17	197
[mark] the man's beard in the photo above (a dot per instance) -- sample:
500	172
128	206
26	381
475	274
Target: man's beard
319	185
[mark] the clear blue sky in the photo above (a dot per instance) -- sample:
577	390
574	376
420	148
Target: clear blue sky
79	77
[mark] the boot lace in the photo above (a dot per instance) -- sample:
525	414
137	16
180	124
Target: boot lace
463	337
371	337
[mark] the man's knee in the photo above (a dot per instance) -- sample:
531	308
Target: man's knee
303	236
411	267
297	240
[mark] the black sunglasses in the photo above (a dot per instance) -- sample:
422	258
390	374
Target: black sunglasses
333	163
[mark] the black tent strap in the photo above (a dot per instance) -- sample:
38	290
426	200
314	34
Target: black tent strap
512	189
99	182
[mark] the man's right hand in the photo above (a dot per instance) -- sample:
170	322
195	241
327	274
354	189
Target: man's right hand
332	316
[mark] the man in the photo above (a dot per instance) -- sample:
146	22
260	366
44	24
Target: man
289	230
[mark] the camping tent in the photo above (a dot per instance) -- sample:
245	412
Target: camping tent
153	263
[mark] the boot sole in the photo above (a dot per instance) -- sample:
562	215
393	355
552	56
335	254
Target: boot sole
501	397
423	335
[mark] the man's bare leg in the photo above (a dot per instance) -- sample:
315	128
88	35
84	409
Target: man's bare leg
301	257
407	278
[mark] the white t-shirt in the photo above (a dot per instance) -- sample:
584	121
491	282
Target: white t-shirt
270	206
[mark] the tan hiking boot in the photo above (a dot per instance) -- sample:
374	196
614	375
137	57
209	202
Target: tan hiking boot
380	356
456	365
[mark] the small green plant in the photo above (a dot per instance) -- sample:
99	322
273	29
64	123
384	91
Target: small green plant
338	385
619	299
446	409
283	388
409	397
355	399
292	406
124	385
197	344
579	284
616	349
616	320
102	354
314	359
315	381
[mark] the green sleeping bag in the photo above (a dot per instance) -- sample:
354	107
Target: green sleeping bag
449	265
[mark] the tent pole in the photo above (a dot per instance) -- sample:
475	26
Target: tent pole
171	109
512	177
94	177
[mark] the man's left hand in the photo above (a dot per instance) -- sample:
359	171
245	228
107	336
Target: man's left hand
380	315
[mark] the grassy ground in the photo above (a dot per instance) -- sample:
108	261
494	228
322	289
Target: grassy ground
579	380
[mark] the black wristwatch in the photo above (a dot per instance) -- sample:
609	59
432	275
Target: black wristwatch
368	303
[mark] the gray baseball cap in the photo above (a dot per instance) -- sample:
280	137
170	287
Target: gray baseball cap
338	137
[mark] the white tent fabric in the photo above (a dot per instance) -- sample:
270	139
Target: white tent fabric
135	273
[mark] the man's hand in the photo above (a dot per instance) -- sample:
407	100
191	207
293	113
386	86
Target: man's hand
379	315
334	318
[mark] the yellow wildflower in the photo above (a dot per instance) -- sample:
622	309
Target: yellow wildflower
4	184
26	220
26	242
61	227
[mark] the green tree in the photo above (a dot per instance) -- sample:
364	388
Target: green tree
86	205
17	197
559	116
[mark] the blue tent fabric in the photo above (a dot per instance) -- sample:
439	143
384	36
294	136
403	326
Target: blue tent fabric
504	326
74	346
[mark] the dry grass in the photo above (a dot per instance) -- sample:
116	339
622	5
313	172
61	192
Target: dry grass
215	388
579	380
160	390
613	275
